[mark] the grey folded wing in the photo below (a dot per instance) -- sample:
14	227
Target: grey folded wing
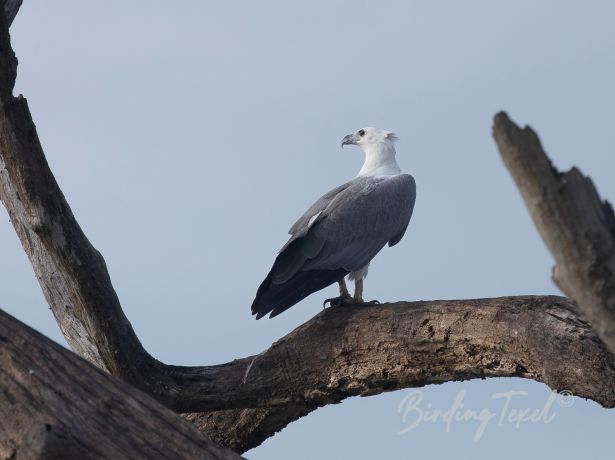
352	224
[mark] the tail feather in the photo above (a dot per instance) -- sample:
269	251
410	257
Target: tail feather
276	298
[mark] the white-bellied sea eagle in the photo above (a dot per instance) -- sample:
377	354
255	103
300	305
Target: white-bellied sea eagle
342	232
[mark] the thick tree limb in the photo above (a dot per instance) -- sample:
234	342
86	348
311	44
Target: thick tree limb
364	351
71	272
361	351
54	404
575	224
244	429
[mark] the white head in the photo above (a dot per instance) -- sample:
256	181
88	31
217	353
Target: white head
379	148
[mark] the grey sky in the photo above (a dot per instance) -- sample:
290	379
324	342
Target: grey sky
188	136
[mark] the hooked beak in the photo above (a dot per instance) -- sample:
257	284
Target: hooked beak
350	139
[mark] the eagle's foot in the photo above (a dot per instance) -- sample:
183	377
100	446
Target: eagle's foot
342	301
370	302
339	301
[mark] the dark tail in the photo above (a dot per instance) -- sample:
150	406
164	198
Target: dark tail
276	298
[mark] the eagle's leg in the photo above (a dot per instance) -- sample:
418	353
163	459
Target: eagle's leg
343	289
358	290
358	293
344	298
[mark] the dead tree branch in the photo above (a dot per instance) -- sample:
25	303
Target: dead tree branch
577	226
351	351
54	404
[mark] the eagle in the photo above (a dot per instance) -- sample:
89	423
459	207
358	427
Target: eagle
343	230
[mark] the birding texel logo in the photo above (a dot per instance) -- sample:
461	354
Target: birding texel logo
510	410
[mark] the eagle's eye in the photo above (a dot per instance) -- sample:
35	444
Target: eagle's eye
361	132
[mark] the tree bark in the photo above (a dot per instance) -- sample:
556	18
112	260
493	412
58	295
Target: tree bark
350	351
244	429
577	226
54	404
362	351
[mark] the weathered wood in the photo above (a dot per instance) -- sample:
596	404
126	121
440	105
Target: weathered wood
577	226
361	351
54	404
244	429
350	351
71	272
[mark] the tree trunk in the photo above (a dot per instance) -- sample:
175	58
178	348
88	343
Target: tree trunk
55	405
573	221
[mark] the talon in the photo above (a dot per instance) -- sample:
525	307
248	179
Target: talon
333	302
337	301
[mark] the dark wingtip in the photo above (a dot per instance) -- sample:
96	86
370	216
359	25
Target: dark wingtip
258	309
258	314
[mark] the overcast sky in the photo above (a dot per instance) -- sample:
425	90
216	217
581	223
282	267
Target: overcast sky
188	136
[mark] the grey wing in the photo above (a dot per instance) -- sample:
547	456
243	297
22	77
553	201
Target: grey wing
360	221
353	228
356	222
302	225
411	200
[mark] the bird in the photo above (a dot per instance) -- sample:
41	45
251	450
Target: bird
343	230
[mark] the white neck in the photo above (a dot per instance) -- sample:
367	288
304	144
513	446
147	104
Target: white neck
380	160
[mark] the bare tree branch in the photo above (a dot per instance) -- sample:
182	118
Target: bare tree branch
575	224
364	351
54	404
71	272
244	429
